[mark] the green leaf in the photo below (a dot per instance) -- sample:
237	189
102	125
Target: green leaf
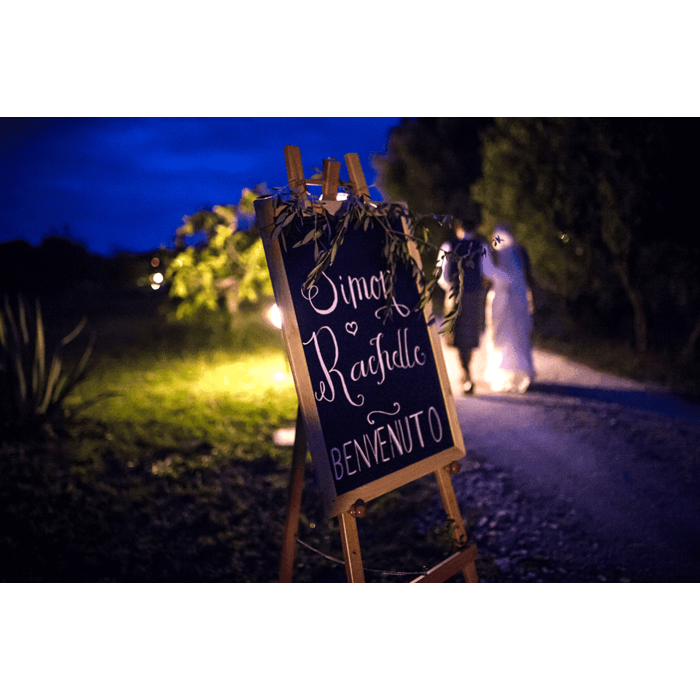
307	238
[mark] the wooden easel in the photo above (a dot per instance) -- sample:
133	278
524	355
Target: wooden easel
464	559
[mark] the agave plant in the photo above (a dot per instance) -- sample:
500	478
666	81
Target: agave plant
32	389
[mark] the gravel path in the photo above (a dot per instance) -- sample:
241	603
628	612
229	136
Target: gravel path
586	477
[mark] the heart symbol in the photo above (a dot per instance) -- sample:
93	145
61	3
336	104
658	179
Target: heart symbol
351	327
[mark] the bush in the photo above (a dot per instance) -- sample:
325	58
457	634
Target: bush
32	390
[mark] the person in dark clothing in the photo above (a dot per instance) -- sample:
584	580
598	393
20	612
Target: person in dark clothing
469	325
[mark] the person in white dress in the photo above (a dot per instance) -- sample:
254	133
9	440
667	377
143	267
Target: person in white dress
508	316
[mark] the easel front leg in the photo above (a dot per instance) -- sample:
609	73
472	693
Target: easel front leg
351	548
296	485
449	501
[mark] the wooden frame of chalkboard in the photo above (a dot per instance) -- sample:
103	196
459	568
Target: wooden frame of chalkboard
373	391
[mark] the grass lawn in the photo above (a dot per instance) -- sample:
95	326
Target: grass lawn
230	400
166	470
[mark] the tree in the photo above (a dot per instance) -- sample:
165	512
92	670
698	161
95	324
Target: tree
226	268
522	185
431	163
594	202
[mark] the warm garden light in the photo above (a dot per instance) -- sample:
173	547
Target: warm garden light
274	316
156	280
284	437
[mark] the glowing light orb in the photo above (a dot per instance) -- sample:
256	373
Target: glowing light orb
274	316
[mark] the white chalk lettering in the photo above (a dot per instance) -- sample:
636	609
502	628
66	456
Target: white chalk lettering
382	361
335	458
323	297
386	443
420	434
372	446
386	361
347	459
359	453
435	424
312	292
407	447
381	445
395	441
326	390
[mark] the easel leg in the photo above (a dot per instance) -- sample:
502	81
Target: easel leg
351	548
296	485
449	501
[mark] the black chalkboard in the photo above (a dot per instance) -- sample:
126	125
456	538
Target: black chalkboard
373	390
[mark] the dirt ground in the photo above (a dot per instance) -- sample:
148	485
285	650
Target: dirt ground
585	477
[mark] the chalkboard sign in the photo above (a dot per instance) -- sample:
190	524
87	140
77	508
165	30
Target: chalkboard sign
373	391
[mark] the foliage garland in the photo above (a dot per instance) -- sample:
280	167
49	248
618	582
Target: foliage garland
294	214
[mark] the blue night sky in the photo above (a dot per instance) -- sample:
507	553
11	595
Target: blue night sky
124	184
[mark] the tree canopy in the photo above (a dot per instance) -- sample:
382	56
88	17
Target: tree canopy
225	269
430	164
601	205
598	204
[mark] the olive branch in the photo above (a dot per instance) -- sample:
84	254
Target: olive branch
326	231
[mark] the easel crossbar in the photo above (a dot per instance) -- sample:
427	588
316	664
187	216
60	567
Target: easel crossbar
449	567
